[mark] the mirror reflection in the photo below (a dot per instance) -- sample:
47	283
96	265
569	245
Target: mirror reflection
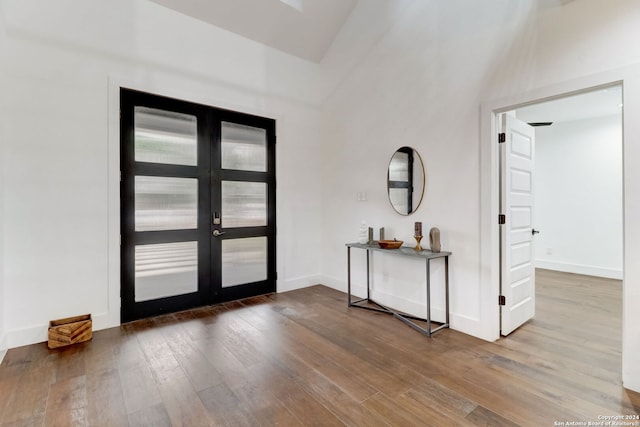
405	180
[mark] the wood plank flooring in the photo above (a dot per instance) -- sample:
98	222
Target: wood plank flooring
303	358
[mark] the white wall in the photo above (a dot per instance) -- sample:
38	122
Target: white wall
65	61
421	85
578	202
3	48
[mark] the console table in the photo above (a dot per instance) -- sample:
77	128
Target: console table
406	318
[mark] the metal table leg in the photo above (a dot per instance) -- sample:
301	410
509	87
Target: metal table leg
368	272
348	276
428	297
372	305
446	289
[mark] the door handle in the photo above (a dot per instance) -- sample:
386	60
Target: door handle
534	231
217	233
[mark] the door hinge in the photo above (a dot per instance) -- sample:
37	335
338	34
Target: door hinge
502	137
502	300
502	219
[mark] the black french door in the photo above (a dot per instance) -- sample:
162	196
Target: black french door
197	205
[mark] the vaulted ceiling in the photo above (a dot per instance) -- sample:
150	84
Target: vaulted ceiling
307	28
304	28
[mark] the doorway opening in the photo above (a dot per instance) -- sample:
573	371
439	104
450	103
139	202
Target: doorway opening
577	187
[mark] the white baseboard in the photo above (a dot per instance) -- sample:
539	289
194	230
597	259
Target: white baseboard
3	347
39	333
401	304
106	320
414	308
333	283
26	336
468	325
587	270
297	283
630	385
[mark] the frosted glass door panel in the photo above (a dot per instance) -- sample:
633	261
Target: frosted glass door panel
165	270
399	167
165	137
244	204
399	199
164	203
244	261
244	147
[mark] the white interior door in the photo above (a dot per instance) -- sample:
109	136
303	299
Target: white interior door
517	154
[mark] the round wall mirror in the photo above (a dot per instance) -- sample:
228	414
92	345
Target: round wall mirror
405	180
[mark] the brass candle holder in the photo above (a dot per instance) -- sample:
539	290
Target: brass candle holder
418	247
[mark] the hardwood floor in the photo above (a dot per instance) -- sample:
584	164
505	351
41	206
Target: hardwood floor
303	358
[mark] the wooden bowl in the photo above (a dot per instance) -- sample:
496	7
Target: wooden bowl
390	244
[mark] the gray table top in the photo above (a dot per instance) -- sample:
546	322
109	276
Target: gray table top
403	250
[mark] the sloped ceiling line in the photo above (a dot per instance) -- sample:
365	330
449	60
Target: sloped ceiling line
304	28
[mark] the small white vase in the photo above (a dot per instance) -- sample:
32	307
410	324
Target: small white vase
363	235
